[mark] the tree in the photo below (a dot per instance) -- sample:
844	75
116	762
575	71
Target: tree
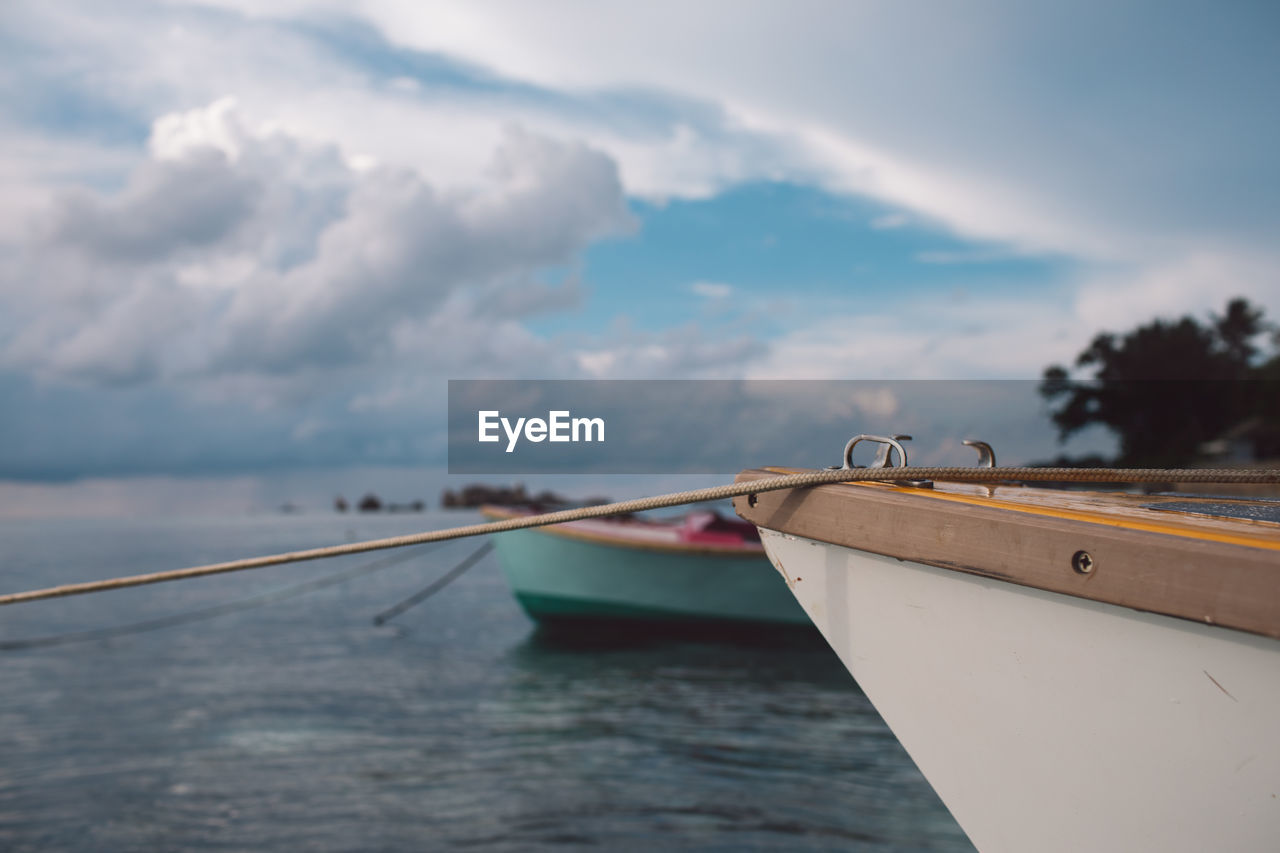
1167	387
1237	330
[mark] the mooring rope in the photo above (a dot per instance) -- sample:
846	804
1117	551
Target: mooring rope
714	493
201	614
435	586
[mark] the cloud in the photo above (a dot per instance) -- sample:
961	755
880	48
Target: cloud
969	256
1195	283
170	205
236	249
679	352
530	298
394	194
311	70
995	127
250	299
1008	136
1012	335
711	289
889	221
932	338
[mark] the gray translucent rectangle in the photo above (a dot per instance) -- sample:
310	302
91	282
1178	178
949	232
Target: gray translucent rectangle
723	426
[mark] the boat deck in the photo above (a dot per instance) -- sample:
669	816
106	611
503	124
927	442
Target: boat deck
1212	559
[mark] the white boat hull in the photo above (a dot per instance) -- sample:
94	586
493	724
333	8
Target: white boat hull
1050	722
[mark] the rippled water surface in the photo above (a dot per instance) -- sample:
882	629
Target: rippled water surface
297	724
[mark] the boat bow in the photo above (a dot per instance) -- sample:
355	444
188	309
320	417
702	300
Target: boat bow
1070	670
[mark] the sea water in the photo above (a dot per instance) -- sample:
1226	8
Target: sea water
294	723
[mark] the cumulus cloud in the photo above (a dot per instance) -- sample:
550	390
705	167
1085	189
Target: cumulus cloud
280	301
312	70
170	205
1007	136
995	127
243	250
387	226
1028	153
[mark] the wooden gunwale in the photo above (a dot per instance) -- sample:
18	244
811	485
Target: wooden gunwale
1229	576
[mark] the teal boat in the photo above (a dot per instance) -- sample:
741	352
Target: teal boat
699	571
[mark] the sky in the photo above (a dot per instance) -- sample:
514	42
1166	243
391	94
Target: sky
244	245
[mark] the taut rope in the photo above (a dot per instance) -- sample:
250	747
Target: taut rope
201	614
714	493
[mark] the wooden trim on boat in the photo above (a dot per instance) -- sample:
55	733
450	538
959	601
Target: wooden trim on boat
751	549
1230	578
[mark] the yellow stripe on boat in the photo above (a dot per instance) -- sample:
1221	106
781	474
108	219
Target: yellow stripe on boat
1269	542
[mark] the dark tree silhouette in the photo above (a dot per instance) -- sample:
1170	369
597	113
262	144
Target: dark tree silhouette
1237	329
1168	387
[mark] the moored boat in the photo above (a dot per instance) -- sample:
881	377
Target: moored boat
702	570
1070	670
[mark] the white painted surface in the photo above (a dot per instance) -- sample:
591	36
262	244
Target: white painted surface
1047	722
